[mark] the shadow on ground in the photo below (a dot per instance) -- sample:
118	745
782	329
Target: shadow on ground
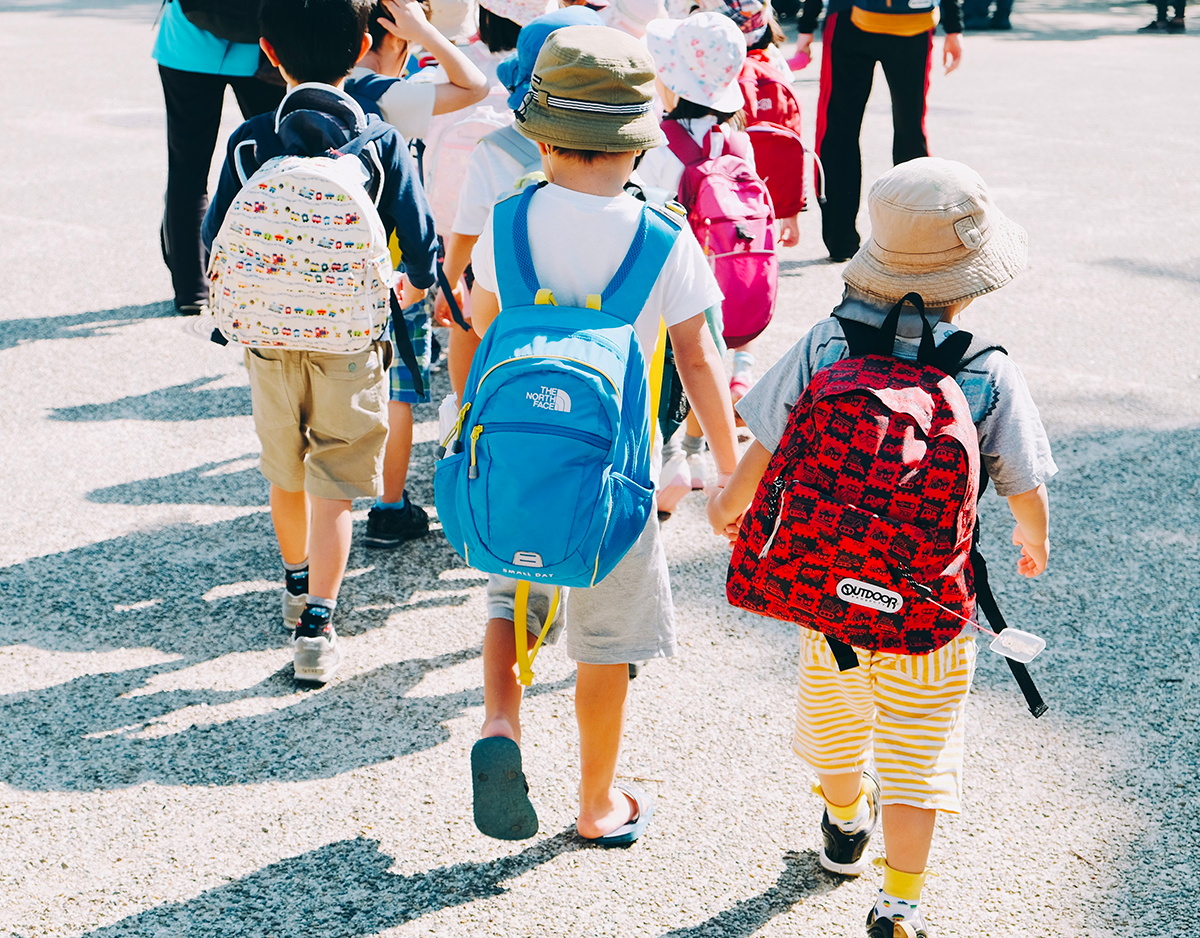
82	325
341	890
191	401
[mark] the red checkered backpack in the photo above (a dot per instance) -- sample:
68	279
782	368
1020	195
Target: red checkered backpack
872	489
773	123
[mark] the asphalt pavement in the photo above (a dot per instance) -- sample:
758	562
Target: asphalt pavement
161	775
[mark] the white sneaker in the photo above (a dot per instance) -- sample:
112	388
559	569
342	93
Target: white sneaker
674	483
315	652
696	469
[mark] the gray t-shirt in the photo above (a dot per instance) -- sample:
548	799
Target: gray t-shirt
1012	441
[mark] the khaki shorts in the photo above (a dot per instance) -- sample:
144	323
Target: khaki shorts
321	419
906	710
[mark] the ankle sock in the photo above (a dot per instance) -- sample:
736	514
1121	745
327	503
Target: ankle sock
743	362
900	897
295	577
321	601
393	506
316	616
692	445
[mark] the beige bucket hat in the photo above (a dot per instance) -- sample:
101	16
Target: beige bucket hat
592	89
936	232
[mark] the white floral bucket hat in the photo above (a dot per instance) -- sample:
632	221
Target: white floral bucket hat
699	58
521	12
935	231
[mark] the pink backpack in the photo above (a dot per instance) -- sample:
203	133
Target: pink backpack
731	215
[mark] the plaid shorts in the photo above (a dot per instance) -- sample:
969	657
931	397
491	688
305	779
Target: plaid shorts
400	381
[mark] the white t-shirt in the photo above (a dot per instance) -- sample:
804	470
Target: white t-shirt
578	241
406	105
491	174
663	169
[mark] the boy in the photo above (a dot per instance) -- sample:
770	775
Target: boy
408	106
590	114
321	417
934	232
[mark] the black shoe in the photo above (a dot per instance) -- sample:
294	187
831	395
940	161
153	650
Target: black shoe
1155	26
190	309
842	852
977	23
837	257
994	23
886	928
388	527
1176	25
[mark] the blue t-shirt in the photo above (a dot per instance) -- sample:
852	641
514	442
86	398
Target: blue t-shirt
188	48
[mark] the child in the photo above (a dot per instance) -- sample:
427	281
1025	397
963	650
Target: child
588	152
934	232
409	106
492	172
321	417
698	61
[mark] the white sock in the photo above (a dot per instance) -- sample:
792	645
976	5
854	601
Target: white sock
898	910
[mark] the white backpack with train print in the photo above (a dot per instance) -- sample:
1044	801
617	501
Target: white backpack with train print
301	260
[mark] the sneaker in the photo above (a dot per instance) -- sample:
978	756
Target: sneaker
994	23
315	652
843	852
1155	26
696	469
674	483
293	608
886	928
387	527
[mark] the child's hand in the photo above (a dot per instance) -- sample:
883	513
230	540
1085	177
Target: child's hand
441	308
789	231
410	22
407	293
1033	555
723	523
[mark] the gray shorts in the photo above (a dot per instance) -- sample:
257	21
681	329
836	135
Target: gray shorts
628	616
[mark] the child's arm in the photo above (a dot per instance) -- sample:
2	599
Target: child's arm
789	231
458	256
1032	534
228	186
726	507
467	83
485	306
703	379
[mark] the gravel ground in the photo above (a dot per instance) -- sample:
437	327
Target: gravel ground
160	774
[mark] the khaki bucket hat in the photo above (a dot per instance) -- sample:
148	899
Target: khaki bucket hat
936	232
592	89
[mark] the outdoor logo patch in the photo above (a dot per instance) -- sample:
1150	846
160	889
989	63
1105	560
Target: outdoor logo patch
870	595
550	399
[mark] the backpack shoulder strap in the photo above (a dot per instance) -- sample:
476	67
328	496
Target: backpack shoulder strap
630	286
680	142
516	145
515	277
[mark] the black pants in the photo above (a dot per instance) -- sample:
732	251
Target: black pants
847	69
193	118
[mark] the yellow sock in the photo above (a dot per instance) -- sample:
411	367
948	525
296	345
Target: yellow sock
905	886
844	812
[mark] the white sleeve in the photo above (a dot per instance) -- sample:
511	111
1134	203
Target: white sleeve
408	106
483	259
662	169
490	176
686	286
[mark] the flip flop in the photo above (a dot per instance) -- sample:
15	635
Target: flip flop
502	806
632	829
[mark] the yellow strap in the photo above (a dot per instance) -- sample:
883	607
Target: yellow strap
544	298
894	24
656	372
593	301
521	624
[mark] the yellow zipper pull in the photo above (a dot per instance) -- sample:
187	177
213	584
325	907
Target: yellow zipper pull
473	472
452	436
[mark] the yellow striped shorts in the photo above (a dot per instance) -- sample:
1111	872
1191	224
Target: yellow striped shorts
906	710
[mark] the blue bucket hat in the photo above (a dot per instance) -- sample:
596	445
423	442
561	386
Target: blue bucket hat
516	71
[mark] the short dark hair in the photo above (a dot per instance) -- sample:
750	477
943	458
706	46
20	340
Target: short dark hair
379	10
498	33
690	110
315	40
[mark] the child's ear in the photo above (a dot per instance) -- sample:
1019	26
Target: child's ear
269	50
366	46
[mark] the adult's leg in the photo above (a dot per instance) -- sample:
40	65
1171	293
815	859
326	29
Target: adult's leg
906	63
255	96
847	68
193	104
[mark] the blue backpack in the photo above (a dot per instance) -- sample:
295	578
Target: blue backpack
546	474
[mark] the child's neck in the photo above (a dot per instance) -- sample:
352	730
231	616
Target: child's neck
386	61
603	177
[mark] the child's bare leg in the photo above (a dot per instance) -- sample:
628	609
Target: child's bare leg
289	515
841	789
398	451
329	547
501	689
907	835
600	692
458	358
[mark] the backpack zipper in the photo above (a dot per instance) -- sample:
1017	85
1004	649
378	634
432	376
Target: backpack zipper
594	438
473	472
451	442
560	358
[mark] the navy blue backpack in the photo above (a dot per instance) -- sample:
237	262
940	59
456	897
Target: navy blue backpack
546	474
